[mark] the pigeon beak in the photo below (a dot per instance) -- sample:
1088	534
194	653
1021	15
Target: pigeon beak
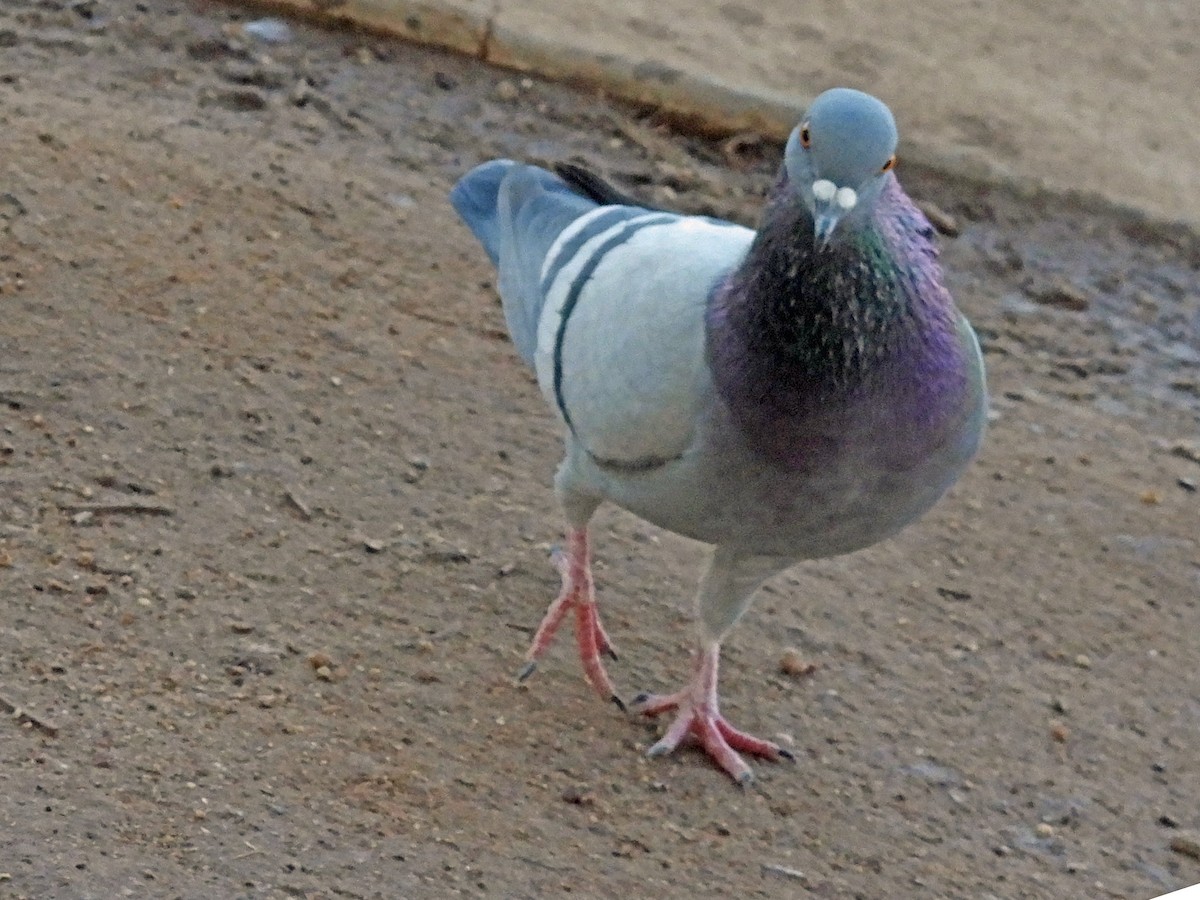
823	230
831	204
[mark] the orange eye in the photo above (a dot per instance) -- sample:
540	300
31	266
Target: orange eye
805	137
890	164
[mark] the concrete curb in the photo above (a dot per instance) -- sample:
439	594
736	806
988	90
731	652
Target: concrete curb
694	103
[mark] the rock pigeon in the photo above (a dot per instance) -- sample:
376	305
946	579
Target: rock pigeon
794	393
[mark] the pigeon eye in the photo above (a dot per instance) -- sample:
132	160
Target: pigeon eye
890	164
805	136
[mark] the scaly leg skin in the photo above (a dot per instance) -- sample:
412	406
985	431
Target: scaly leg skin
578	593
698	716
585	609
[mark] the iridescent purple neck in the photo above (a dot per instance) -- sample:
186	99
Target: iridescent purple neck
800	337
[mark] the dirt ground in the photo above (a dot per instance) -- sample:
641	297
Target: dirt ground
275	509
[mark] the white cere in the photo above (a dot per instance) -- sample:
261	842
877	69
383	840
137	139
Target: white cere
846	198
824	190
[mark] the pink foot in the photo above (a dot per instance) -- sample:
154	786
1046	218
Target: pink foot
578	593
699	717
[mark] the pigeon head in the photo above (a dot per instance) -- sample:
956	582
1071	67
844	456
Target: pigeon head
838	159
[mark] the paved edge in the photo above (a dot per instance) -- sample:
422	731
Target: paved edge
694	104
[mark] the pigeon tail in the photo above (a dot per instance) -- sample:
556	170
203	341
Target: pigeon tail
517	212
476	199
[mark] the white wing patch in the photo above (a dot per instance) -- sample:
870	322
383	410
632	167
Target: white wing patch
558	292
633	370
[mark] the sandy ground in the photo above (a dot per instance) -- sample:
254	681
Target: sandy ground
1092	97
275	513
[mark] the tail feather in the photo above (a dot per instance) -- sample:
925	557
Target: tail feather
517	212
588	183
476	199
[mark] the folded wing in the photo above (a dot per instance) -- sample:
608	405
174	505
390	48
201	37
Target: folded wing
607	302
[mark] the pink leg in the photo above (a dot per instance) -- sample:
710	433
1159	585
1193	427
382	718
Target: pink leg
698	716
578	593
588	610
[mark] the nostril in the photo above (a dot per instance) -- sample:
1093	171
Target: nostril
846	198
824	190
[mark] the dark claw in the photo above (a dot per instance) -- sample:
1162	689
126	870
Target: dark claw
611	653
745	780
526	670
787	754
640	699
620	703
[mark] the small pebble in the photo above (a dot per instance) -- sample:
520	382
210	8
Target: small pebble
1186	845
240	100
320	659
269	31
793	664
578	795
507	91
1061	294
1083	661
1060	732
1044	830
783	871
